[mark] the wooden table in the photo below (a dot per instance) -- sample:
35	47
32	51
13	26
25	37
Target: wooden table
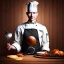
30	59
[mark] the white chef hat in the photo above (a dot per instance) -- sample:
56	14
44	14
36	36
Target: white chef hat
32	6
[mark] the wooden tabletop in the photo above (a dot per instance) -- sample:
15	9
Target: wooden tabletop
30	59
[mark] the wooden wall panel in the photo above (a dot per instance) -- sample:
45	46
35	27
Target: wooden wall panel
51	14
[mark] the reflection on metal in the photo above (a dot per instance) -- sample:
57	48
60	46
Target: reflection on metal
8	35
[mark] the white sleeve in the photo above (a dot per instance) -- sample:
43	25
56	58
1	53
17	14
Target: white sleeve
17	46
18	38
45	40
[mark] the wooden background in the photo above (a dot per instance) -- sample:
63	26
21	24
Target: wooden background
51	14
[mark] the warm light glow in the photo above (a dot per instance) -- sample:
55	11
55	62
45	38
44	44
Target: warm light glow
15	57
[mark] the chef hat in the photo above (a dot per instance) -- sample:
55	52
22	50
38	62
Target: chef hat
32	6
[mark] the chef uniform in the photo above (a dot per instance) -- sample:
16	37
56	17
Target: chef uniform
31	29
